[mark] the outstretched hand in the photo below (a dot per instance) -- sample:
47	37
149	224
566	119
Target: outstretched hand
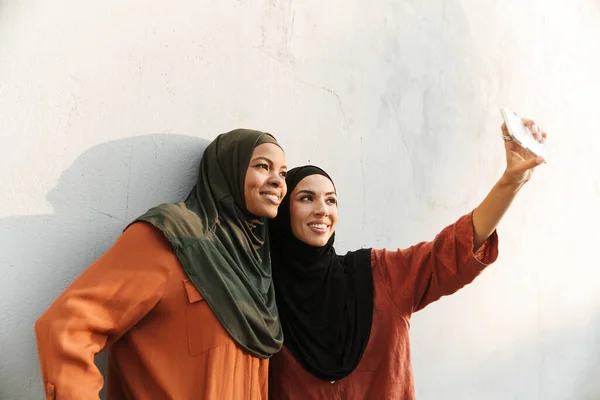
520	162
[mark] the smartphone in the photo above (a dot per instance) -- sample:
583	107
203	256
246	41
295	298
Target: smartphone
521	134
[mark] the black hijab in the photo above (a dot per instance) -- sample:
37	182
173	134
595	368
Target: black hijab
325	301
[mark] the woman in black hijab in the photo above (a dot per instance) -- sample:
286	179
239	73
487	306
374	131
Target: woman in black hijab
346	318
326	300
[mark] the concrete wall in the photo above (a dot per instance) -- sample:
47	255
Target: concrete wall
105	108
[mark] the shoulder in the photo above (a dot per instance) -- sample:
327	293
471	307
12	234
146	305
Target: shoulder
142	238
175	221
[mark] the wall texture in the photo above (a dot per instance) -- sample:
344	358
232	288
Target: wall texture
105	108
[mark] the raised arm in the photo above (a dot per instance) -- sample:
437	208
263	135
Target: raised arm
421	274
520	164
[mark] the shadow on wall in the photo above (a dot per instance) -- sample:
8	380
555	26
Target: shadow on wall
105	188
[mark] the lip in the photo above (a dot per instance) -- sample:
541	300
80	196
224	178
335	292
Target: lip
270	199
319	230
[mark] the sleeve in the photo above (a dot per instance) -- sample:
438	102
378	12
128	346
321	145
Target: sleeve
103	303
421	274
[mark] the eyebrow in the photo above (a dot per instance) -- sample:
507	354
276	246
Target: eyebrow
314	194
267	160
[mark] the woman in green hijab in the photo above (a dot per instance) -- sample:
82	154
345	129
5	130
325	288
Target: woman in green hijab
184	298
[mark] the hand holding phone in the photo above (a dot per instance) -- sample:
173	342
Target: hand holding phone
521	134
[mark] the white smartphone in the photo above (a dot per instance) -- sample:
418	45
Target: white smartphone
521	134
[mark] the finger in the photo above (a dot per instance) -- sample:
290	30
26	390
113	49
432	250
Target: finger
531	163
504	129
510	144
528	122
544	136
533	128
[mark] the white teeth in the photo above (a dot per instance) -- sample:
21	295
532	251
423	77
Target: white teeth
271	196
318	226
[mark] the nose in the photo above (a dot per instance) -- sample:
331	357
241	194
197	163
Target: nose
321	208
276	180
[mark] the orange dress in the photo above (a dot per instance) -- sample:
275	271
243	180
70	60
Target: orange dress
404	281
164	341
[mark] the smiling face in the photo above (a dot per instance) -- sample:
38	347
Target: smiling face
264	186
313	210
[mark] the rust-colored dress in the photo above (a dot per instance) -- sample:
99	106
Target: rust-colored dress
405	281
164	341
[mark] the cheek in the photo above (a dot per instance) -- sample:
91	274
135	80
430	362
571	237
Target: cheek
248	180
334	218
251	189
252	182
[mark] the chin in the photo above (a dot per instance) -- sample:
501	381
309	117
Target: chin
271	214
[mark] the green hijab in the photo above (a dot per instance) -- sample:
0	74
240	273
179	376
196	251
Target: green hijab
223	249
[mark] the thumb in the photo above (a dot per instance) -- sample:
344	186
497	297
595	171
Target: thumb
531	163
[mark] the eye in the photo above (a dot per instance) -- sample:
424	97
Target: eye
307	197
332	200
283	174
263	166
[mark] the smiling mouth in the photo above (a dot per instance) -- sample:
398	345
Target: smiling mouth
319	228
273	198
